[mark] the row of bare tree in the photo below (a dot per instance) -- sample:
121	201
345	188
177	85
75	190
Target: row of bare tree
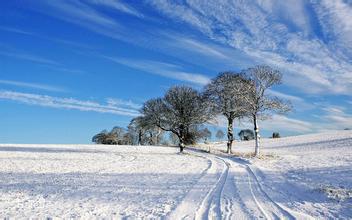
182	110
233	95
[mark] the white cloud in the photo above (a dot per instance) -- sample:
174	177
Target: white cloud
298	103
67	103
53	39
278	33
283	123
123	103
202	48
285	96
184	13
33	85
336	21
163	69
29	57
16	30
82	14
199	52
336	117
331	118
275	123
118	5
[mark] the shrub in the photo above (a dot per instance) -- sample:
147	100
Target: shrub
246	135
276	135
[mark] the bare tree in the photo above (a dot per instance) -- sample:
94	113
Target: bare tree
227	92
205	134
181	108
261	105
100	137
219	134
136	131
144	133
116	136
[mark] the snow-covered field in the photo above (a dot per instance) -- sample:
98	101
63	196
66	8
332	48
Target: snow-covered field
304	177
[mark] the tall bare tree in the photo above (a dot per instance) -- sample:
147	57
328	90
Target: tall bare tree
178	111
260	104
227	92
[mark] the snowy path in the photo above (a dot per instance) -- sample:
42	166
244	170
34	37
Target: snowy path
234	192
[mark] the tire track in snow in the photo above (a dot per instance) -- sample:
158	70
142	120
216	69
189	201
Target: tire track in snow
261	202
282	212
232	206
290	213
194	199
229	190
227	207
124	157
211	204
118	157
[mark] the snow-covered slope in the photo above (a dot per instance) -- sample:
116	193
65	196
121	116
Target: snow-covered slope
293	180
94	181
311	174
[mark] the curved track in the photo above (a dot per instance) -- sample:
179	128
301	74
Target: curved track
229	189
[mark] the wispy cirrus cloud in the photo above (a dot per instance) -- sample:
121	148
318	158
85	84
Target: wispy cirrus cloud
81	14
282	34
330	118
204	52
42	36
298	103
118	5
33	85
279	123
29	57
284	123
336	118
68	103
336	19
16	30
52	64
161	68
123	103
279	33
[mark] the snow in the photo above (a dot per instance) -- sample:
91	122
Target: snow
310	174
303	177
94	181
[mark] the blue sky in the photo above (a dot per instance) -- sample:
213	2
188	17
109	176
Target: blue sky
69	69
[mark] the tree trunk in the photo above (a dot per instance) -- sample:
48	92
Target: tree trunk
151	141
140	137
182	146
181	138
257	136
229	135
158	137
